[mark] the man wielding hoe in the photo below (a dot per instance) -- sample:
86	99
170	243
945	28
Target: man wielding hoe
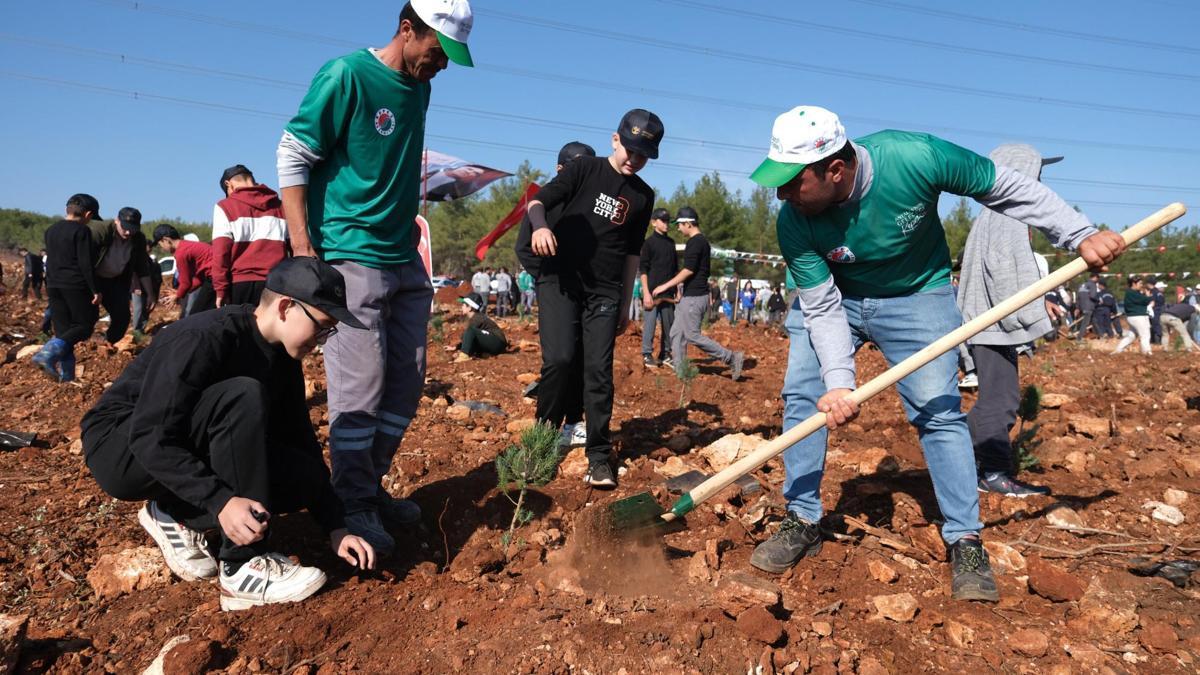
689	314
350	173
860	233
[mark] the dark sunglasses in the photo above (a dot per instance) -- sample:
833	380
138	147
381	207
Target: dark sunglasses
323	333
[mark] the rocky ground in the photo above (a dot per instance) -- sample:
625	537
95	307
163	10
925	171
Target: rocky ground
81	592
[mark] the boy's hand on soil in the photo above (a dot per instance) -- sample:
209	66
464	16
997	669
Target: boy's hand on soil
837	407
353	549
239	522
1101	248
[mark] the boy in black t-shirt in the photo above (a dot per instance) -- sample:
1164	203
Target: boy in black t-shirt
70	286
689	313
584	294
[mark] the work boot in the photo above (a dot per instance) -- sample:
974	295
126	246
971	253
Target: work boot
972	575
398	512
49	357
600	475
369	526
267	579
795	539
67	366
735	364
1004	484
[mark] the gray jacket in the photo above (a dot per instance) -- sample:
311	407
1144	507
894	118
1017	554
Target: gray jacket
998	261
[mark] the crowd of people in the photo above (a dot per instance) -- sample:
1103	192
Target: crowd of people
209	426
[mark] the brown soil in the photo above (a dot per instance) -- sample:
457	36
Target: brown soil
451	602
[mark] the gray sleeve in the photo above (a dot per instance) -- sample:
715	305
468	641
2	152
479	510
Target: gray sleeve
293	159
1022	198
825	320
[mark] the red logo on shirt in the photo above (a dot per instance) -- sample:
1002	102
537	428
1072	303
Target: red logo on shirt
385	122
841	254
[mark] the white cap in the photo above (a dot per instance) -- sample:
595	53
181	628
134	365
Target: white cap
801	136
1160	285
452	19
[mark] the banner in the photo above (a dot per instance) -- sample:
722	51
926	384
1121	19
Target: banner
506	223
424	245
447	177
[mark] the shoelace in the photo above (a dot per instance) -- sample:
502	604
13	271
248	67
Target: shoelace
970	558
194	538
274	563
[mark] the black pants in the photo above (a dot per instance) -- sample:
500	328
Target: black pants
1103	320
228	432
73	314
578	329
31	282
995	412
246	292
115	296
199	299
1156	331
475	342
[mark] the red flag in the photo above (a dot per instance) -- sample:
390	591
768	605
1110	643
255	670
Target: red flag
507	222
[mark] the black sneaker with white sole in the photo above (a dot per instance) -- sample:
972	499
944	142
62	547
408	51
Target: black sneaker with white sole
648	361
600	475
1003	484
184	549
266	580
972	577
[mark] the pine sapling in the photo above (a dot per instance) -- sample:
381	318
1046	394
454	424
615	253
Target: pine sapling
531	462
686	372
1026	441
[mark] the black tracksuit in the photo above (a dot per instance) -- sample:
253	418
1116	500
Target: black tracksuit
660	264
35	273
482	337
210	411
71	280
603	219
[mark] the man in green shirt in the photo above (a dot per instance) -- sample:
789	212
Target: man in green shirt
349	173
860	232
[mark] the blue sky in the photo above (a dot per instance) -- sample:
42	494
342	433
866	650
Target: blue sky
1112	86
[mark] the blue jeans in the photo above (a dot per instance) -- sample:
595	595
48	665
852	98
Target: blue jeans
900	327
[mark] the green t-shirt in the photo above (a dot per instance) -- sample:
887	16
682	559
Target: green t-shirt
1136	303
890	242
367	123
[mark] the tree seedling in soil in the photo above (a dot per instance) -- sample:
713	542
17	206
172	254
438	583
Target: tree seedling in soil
1026	441
436	324
531	462
686	372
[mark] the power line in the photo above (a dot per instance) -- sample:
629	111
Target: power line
775	19
656	92
543	23
144	96
825	69
1029	28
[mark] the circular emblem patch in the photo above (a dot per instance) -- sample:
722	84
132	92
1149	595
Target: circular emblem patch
841	254
385	122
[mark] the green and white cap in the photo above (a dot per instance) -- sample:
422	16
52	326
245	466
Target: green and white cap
452	20
801	136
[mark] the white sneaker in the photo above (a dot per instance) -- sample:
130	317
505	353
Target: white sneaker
573	435
268	579
185	550
969	381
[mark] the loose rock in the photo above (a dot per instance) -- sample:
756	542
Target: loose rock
1063	516
517	426
156	666
574	465
758	624
822	628
728	449
740	591
1004	558
1105	611
1053	401
12	633
1173	497
193	657
1092	427
961	635
1165	513
882	571
679	443
1053	582
133	569
1031	643
901	607
1158	636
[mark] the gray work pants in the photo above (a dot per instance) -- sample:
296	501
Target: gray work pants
689	313
375	375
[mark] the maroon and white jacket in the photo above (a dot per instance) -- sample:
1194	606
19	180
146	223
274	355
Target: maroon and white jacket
249	237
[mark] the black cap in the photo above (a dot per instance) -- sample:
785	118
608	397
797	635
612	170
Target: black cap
472	300
164	231
314	283
130	219
661	214
641	131
574	150
235	170
687	213
86	202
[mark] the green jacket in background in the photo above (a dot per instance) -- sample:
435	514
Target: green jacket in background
103	232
